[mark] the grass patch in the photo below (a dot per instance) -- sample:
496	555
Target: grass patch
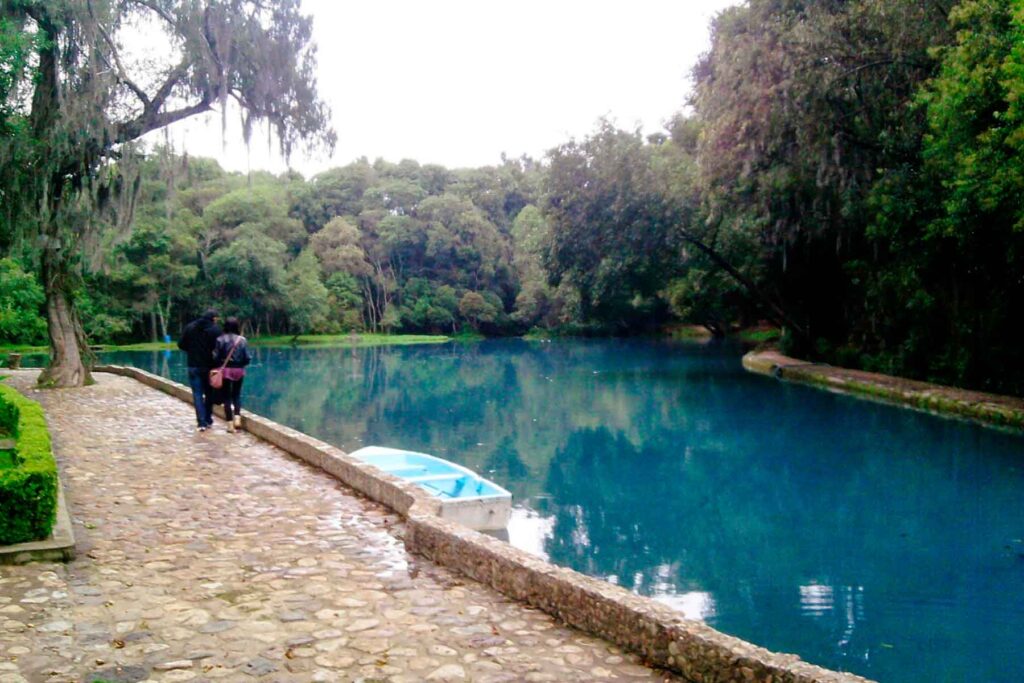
319	340
22	348
691	332
467	336
760	335
142	346
348	340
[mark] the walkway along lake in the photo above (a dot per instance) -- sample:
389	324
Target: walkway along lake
860	536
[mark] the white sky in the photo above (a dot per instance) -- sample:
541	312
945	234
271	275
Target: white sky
458	82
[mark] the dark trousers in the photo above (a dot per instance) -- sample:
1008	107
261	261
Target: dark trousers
202	395
231	392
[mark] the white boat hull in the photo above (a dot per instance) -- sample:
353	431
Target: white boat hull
465	496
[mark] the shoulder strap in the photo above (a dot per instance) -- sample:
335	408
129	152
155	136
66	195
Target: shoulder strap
238	338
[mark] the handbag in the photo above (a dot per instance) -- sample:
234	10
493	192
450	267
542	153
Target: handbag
217	374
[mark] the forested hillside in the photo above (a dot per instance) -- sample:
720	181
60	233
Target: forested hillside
850	171
376	247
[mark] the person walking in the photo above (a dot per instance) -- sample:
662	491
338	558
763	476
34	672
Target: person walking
232	353
198	340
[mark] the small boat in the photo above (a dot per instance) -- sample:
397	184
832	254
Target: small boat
465	496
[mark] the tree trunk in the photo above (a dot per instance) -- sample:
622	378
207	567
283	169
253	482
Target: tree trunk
163	317
774	311
70	356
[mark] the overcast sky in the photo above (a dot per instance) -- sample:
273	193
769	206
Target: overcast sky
458	82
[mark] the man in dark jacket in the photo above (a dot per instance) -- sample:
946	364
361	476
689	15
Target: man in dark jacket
198	340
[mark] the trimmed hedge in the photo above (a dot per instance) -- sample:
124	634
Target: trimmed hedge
28	491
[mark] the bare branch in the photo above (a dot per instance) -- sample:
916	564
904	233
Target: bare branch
164	91
122	74
151	120
871	65
156	9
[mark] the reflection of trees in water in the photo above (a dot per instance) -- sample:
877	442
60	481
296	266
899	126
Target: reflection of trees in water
754	521
674	466
505	464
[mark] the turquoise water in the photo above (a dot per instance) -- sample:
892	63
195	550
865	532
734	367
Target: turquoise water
859	536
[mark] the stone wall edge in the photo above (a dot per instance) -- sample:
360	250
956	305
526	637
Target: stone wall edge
989	410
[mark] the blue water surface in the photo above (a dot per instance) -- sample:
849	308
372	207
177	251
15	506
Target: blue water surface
860	536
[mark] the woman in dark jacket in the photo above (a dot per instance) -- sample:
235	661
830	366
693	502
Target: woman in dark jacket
233	348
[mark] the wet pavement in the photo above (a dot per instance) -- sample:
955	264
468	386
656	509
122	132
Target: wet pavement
217	556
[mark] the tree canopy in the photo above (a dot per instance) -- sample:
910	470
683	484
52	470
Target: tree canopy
850	171
76	97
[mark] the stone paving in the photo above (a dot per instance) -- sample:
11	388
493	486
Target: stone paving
219	557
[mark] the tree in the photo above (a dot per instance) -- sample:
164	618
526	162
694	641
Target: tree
945	296
88	103
476	309
462	247
537	302
705	297
263	206
802	105
159	264
248	276
396	195
337	248
337	192
428	306
345	301
21	299
530	233
613	227
305	295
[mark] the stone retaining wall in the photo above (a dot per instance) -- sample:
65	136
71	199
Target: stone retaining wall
661	635
991	410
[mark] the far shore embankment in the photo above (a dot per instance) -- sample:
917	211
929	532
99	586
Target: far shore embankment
992	410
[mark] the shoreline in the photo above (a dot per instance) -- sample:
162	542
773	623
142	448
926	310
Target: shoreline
304	340
990	410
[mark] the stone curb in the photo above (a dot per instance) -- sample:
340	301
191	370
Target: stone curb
989	410
59	547
661	635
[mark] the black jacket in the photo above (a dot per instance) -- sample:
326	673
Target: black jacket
239	358
198	340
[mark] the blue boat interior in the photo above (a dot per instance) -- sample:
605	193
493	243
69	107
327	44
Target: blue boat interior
439	477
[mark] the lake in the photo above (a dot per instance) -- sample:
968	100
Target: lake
860	536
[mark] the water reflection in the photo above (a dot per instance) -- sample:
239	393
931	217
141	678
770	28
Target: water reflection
859	536
530	531
697	605
816	599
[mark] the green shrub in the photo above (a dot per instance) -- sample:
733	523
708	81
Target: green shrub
28	491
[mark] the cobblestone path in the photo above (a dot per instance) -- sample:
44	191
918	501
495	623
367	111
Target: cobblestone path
219	557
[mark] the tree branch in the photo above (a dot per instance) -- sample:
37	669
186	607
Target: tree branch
164	91
775	312
151	120
156	9
870	65
122	74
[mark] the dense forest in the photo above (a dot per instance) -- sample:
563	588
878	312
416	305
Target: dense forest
850	171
